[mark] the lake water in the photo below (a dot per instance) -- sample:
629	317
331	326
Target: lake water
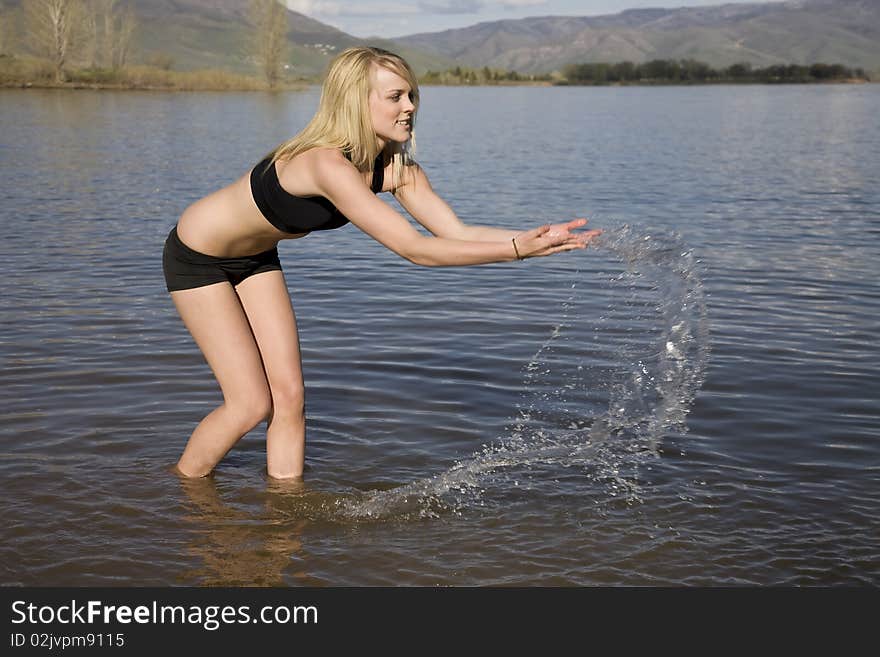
692	402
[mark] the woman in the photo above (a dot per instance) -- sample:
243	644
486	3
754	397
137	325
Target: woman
221	261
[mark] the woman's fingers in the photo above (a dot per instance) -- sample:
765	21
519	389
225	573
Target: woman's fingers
535	233
548	239
567	229
589	235
582	242
563	248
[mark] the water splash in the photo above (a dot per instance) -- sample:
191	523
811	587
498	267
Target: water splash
656	388
603	407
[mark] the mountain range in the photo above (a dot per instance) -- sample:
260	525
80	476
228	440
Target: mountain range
795	32
197	34
217	33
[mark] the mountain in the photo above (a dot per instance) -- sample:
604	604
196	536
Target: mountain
198	34
216	34
796	32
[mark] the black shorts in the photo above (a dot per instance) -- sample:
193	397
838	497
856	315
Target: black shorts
185	268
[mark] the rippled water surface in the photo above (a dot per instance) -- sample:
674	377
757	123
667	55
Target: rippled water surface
692	402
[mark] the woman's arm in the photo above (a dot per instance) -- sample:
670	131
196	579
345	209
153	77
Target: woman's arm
417	196
419	199
339	181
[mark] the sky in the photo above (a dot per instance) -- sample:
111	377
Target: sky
392	18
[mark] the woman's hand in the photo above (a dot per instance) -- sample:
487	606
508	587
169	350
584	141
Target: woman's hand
554	238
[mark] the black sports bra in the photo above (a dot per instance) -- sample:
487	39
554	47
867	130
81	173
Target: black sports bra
299	214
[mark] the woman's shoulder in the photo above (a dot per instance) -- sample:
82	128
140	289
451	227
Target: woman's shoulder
319	155
314	172
315	162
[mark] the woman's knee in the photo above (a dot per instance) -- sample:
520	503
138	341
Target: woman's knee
288	398
250	409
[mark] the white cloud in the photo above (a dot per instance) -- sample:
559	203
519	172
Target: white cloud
331	9
451	6
515	4
312	7
317	8
473	6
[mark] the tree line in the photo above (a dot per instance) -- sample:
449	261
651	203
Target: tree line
93	39
485	75
690	71
89	33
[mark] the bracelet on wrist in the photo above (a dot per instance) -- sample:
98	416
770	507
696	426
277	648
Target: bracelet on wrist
515	249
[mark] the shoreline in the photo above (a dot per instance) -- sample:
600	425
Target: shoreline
709	83
25	72
88	86
96	86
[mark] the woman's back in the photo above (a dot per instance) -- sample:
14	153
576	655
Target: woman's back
271	202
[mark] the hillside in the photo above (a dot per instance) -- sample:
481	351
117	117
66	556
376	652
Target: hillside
798	32
216	34
198	34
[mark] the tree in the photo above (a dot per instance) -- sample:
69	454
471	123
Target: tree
4	40
624	71
119	27
693	70
161	60
90	39
52	27
270	37
108	31
739	71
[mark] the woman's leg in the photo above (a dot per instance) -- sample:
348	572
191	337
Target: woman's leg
266	301
215	318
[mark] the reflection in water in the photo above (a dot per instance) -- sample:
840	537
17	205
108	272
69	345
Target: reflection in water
237	549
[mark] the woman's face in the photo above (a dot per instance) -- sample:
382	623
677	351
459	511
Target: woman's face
391	105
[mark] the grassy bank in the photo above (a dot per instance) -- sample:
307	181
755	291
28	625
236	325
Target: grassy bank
27	72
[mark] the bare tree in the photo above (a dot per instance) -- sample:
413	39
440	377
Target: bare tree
91	37
124	25
103	18
109	31
4	41
269	18
51	26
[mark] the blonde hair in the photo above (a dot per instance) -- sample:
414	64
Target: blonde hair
343	119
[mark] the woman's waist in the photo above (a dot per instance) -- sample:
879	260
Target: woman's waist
227	237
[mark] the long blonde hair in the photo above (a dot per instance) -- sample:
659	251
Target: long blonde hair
343	118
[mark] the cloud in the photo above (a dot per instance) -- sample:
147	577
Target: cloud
310	7
451	6
473	6
316	8
515	4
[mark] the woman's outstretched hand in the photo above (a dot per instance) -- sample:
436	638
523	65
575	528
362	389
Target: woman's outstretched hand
554	238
